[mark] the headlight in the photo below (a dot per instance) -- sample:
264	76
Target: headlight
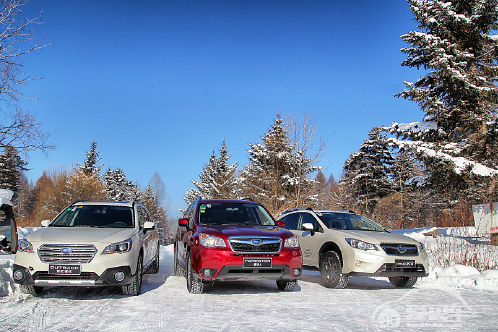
25	246
210	241
119	247
292	242
357	244
421	246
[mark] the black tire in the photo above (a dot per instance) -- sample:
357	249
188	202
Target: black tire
31	289
286	285
135	287
331	271
403	282
194	284
154	267
177	271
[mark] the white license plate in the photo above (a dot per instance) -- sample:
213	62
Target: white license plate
400	263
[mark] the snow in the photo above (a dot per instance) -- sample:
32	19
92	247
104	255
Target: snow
454	297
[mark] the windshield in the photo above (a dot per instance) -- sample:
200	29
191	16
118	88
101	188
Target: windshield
104	216
234	214
347	221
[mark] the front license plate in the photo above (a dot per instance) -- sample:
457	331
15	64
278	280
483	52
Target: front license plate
404	263
62	269
257	262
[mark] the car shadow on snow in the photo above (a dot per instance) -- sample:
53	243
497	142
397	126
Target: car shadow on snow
244	287
363	283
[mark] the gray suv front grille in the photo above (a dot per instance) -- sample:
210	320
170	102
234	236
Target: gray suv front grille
400	249
60	253
255	244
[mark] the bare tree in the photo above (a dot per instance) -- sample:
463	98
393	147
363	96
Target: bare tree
18	38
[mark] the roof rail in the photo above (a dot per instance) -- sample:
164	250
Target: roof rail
248	199
299	208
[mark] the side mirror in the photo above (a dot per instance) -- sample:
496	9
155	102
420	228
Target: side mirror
281	223
45	223
149	225
183	222
309	227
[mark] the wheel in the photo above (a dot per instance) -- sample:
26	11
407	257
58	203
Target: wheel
403	282
286	285
135	287
31	289
194	284
154	267
331	271
176	268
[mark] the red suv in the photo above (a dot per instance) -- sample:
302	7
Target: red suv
220	239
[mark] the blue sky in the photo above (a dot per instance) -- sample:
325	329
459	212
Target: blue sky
160	84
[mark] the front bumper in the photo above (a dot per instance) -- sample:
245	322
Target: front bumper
23	276
216	264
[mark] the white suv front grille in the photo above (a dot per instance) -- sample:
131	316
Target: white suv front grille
60	253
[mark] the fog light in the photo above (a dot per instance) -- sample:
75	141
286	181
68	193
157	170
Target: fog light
208	272
18	275
296	272
119	276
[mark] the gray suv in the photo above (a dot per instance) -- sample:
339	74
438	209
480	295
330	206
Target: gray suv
341	244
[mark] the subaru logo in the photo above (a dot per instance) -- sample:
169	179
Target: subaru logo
402	249
67	250
256	242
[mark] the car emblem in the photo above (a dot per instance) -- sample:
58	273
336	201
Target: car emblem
257	242
402	249
67	250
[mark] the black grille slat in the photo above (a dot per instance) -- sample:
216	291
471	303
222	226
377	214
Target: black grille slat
399	249
246	245
41	275
53	253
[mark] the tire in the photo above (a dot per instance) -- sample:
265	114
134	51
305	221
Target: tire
194	284
31	289
403	282
135	287
331	271
177	271
154	267
286	285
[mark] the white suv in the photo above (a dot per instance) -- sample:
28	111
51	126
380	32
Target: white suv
90	244
341	244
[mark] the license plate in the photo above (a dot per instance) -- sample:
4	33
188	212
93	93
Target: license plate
257	262
62	269
404	263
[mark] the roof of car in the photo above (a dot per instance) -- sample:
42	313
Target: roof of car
115	203
228	201
319	211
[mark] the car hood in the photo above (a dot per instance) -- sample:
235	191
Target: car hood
80	235
377	237
245	230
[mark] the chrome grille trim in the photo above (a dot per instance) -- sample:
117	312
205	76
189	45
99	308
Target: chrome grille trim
52	253
243	244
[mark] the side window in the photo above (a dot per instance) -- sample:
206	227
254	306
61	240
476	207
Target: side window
142	217
308	218
191	214
291	221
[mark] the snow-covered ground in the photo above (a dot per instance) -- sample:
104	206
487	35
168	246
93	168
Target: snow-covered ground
453	298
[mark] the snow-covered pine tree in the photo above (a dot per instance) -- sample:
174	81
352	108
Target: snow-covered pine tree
369	171
275	169
11	168
89	167
217	179
457	138
118	187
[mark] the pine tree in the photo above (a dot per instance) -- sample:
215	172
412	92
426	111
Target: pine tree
370	171
276	170
119	188
89	167
217	179
457	138
11	168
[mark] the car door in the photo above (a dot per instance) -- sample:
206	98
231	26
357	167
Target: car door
183	237
147	235
309	240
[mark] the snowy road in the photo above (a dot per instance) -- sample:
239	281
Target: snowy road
366	304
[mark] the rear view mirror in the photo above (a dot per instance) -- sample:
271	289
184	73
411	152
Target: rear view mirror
44	223
183	222
281	223
309	227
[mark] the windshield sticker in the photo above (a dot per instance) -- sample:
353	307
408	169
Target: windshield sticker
203	208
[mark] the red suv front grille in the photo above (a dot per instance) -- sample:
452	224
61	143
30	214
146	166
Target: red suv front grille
255	244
